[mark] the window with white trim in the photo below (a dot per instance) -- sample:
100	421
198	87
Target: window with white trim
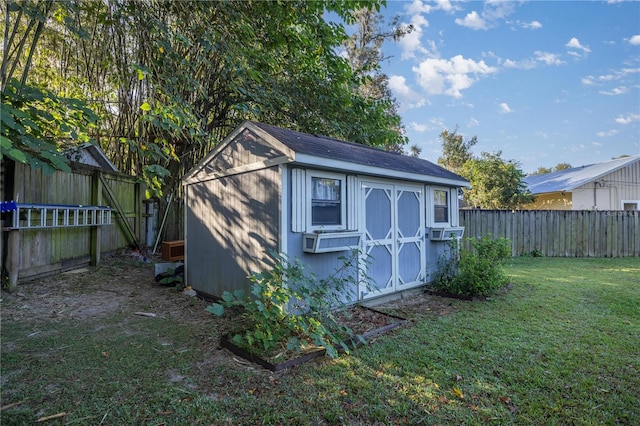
440	206
326	201
630	205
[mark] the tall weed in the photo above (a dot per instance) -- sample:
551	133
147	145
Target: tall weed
476	271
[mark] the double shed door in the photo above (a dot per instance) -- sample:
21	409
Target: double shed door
393	247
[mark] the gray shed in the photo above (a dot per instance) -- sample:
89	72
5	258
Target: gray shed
314	198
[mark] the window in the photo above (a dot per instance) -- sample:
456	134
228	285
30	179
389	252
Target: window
325	201
326	192
630	205
440	206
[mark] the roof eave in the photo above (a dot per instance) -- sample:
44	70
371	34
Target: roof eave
348	166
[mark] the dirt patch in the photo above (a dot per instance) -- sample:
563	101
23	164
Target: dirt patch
120	284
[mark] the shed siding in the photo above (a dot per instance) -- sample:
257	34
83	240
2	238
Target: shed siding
232	225
245	149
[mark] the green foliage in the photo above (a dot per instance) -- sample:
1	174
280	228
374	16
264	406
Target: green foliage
455	152
169	80
172	277
495	183
476	271
545	170
37	126
293	309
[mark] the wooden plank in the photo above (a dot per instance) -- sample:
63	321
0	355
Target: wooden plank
113	200
96	231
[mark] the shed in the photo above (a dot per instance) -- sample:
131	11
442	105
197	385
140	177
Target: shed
315	198
610	185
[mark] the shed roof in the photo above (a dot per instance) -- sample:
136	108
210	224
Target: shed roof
570	179
324	151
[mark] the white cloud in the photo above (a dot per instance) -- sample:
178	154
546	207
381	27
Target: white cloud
526	64
548	58
635	40
407	97
412	42
398	84
504	108
420	128
579	50
494	10
596	144
472	122
628	119
607	134
450	76
617	91
473	21
446	5
533	25
418	6
497	9
588	80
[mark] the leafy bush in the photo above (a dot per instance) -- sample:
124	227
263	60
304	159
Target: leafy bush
290	308
476	271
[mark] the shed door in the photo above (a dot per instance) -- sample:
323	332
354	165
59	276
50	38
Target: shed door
393	252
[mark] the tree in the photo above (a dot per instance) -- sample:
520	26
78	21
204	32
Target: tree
495	182
455	152
169	80
364	52
414	151
545	170
37	125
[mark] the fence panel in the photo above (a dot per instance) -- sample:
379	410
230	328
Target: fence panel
42	252
559	233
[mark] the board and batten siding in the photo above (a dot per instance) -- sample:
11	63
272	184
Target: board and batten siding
608	192
232	214
559	233
232	225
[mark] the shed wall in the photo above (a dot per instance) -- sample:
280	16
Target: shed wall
231	226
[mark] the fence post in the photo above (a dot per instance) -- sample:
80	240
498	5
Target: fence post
96	231
13	258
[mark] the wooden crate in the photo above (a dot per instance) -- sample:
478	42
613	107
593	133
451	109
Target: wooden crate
173	250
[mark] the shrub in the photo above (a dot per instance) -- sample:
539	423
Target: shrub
476	271
290	308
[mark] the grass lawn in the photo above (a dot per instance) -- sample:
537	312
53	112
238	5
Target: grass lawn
562	346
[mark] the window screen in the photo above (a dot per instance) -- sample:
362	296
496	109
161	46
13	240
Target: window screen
325	201
440	206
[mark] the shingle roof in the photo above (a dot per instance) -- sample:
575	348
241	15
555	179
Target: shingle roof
568	180
325	147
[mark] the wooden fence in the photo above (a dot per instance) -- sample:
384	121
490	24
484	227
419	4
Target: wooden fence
559	233
34	253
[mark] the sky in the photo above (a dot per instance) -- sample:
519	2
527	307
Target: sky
545	82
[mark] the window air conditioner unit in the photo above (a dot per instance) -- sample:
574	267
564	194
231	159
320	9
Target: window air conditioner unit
331	241
446	234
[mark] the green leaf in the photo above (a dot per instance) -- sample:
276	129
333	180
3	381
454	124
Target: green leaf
145	106
228	297
5	143
216	309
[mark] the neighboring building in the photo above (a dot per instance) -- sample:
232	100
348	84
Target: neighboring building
92	155
612	185
314	198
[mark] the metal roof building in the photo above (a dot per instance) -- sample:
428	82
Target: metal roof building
611	185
